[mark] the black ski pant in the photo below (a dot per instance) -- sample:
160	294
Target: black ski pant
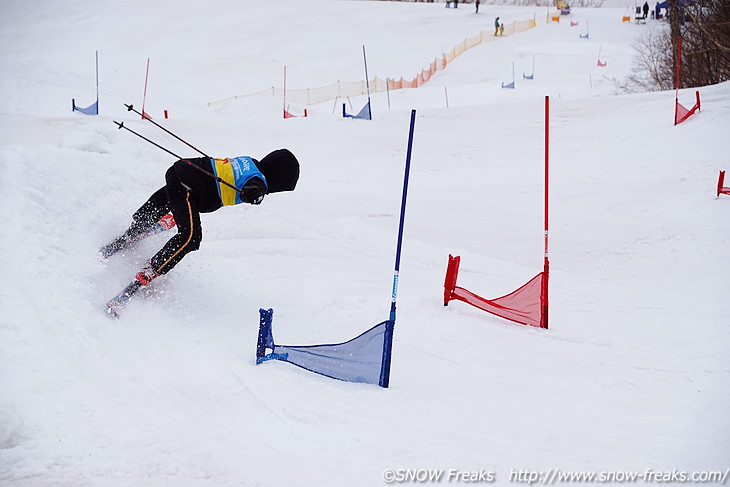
177	198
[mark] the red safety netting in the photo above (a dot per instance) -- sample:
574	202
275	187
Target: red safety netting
525	305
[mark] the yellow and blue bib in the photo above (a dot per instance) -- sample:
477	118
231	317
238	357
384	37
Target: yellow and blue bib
236	171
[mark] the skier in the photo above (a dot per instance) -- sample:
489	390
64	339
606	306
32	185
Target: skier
496	26
194	186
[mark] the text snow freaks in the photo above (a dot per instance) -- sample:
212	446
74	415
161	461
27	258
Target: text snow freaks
423	475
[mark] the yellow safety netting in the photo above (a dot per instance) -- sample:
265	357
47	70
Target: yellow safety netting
312	96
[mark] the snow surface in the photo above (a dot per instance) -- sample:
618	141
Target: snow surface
632	374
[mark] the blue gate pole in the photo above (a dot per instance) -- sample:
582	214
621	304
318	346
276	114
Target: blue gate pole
402	215
367	83
389	325
97	82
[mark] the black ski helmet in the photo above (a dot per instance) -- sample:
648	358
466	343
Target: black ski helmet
281	170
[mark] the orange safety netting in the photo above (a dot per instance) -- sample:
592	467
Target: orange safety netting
342	89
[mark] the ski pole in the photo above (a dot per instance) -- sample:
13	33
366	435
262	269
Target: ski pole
221	181
122	126
130	108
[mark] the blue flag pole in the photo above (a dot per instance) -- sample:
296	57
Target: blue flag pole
390	324
402	215
97	82
367	83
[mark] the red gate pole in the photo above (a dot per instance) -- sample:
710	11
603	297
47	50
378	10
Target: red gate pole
284	93
546	262
144	96
676	82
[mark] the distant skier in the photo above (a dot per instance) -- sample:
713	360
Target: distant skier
188	192
646	9
496	26
476	3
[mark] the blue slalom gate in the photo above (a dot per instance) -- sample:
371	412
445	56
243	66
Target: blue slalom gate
365	358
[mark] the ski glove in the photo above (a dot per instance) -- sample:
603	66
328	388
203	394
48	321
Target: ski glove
253	191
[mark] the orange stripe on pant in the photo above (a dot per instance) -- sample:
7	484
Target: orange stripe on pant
187	242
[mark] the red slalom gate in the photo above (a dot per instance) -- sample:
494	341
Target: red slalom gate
527	305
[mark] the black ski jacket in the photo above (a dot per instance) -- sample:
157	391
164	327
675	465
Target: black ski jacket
204	188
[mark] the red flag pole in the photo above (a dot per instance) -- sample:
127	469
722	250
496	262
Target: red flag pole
676	83
284	93
546	262
679	64
144	96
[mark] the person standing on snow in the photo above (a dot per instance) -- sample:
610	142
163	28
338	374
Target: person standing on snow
195	186
496	26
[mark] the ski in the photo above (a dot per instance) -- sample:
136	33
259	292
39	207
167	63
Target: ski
115	306
120	243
